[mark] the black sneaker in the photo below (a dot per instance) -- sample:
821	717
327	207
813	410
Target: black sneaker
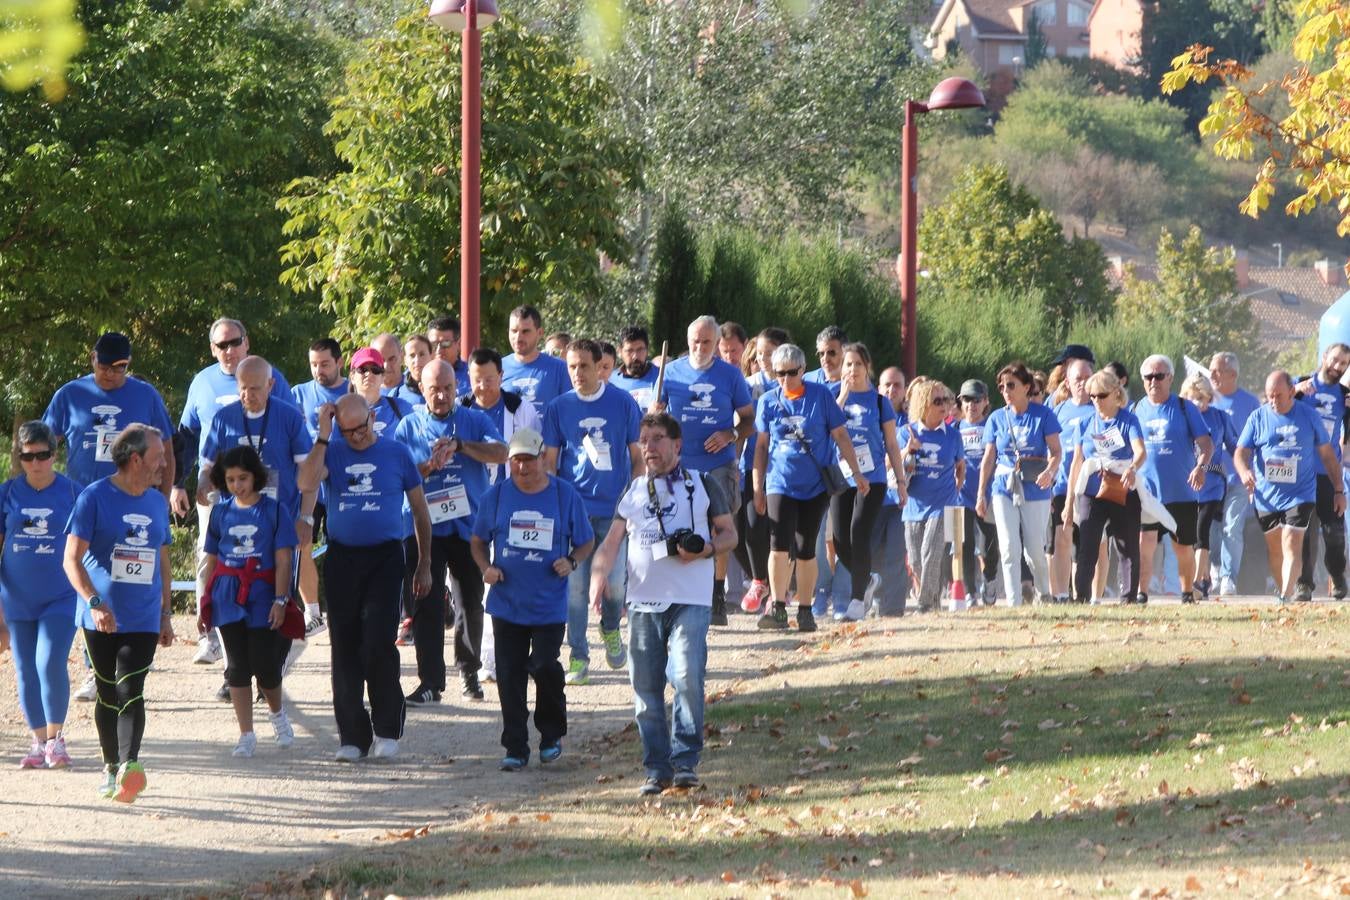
423	696
719	610
774	618
806	620
1188	596
685	778
223	693
1338	591
653	787
1303	593
1141	598
472	689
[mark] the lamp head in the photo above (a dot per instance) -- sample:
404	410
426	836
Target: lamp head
450	14
955	93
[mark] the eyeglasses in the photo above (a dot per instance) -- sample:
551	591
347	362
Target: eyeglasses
353	432
969	399
119	368
1099	396
230	344
824	353
39	455
1035	392
787	373
370	370
1009	386
446	345
1155	376
944	401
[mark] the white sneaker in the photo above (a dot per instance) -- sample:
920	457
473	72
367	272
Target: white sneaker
870	592
208	650
1227	588
347	753
315	625
88	690
384	748
248	742
282	732
856	610
487	675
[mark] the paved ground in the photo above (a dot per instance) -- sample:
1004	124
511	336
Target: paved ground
207	818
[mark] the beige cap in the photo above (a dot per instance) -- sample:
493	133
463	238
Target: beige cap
525	442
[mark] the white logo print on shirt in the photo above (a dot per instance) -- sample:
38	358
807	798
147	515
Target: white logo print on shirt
138	529
36	523
702	395
359	479
243	539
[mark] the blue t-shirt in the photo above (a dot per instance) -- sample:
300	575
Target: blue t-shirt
794	464
389	411
528	532
932	485
1027	433
212	389
758	383
892	492
642	389
453	491
1239	406
1283	449
407	393
818	376
33	584
1106	439
1170	431
703	402
236	534
1067	413
278	434
311	395
972	444
125	534
592	438
90	418
1329	401
366	491
539	381
867	411
1221	432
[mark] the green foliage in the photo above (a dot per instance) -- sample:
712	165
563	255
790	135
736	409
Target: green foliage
990	234
37	40
380	239
1235	28
1299	359
1130	341
144	201
675	276
1036	46
974	334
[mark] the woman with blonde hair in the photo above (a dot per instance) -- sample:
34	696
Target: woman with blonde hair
932	454
1197	389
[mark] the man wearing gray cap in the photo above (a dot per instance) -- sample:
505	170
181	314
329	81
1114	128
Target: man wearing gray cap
973	401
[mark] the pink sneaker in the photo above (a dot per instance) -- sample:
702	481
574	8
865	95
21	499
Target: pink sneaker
35	758
55	753
754	596
405	638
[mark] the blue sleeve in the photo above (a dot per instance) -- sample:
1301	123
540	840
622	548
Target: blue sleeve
56	415
834	416
83	518
1195	421
740	391
411	477
634	419
1133	430
286	537
1051	425
189	419
281	387
991	429
887	412
297	398
762	413
212	541
210	443
1248	436
161	416
300	442
4	499
580	527
483	525
553	436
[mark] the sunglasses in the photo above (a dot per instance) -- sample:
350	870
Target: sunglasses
446	345
824	353
370	370
969	399
352	432
119	368
230	344
39	455
787	373
1035	393
1099	396
1155	376
1009	386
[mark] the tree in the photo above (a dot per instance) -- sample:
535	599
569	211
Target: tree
989	233
37	40
380	239
1036	52
1195	288
144	201
1312	143
1236	27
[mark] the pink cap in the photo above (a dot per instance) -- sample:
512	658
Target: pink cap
367	356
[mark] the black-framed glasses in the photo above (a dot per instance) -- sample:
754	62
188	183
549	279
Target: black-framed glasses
1099	396
39	455
787	373
118	368
230	344
354	431
1155	376
1009	386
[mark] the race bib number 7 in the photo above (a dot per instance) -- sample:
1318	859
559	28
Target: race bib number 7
531	534
134	566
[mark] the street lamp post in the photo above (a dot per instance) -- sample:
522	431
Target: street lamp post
468	17
951	93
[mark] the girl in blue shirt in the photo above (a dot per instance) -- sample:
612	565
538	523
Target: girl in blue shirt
39	604
250	547
933	454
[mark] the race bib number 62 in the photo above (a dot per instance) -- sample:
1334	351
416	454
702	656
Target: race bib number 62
134	566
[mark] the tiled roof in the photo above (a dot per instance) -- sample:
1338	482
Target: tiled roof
993	16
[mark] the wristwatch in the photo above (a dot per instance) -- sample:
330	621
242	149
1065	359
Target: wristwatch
95	601
573	560
280	601
308	520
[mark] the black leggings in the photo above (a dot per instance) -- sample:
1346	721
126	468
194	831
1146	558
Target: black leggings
121	662
1124	521
974	522
794	524
250	653
752	548
1211	511
853	523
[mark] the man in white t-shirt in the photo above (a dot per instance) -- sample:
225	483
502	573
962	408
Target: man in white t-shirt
674	521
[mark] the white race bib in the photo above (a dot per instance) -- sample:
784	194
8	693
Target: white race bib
273	479
530	534
598	457
448	504
133	566
864	454
1282	471
103	446
972	440
1108	441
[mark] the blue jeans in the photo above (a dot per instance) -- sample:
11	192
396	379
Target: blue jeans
888	552
1225	560
676	639
821	602
579	593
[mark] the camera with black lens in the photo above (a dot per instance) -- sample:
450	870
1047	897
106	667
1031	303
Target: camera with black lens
684	539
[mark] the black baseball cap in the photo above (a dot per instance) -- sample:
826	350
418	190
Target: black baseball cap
112	348
1074	351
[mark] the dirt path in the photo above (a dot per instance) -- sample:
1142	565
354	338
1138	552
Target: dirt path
208	819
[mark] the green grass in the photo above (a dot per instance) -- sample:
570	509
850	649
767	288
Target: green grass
1096	750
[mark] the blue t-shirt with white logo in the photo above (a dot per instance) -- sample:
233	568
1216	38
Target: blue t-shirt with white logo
235	534
90	418
1283	450
1105	440
972	445
311	395
866	412
1329	402
704	401
453	490
1067	413
538	381
125	534
592	438
641	389
1221	432
279	435
932	484
33	584
1012	434
1170	431
212	389
892	491
406	393
1239	406
758	383
800	443
527	533
366	491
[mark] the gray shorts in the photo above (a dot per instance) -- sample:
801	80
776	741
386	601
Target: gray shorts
728	477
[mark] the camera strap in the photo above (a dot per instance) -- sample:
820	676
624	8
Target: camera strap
656	502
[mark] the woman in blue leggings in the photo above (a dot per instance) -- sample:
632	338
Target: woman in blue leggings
38	601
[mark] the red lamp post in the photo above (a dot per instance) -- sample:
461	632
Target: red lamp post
951	93
468	17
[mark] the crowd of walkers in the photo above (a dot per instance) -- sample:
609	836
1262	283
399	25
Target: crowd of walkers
509	498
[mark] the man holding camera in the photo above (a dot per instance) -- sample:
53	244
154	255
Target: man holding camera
674	521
